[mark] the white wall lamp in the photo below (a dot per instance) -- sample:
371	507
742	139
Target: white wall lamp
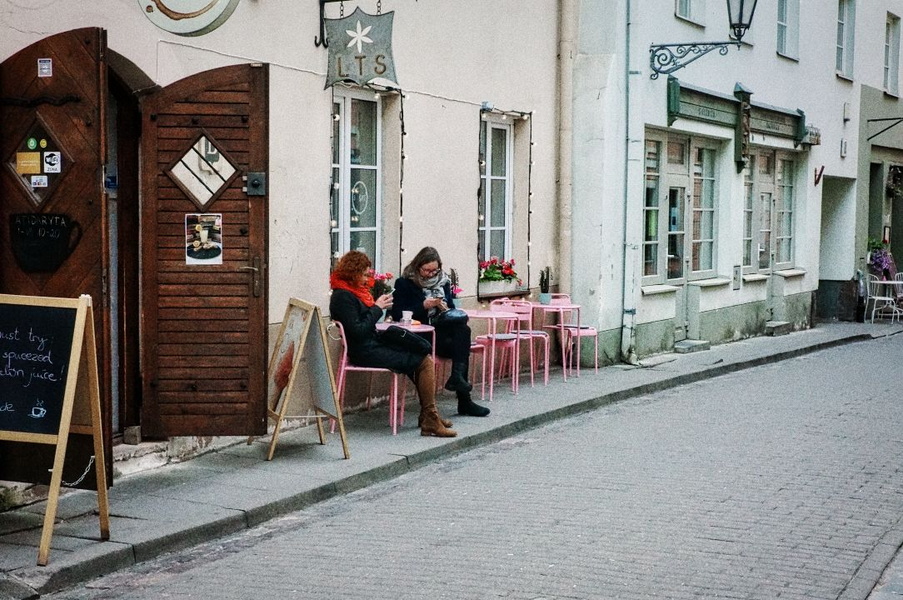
667	58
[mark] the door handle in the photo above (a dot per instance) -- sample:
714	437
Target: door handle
254	268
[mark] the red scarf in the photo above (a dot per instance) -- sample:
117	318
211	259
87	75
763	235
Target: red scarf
361	291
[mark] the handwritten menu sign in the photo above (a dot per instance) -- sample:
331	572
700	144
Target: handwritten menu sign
35	346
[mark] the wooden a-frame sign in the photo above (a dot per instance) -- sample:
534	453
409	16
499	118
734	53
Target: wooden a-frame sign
49	388
300	375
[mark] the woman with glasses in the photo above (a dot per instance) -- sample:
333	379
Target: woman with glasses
425	290
354	307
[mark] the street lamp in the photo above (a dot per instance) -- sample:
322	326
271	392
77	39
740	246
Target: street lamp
667	58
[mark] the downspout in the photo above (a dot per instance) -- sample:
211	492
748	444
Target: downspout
628	258
567	35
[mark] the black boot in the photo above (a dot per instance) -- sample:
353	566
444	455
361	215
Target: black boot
469	408
457	381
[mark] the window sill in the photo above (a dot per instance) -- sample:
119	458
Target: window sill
844	77
652	290
790	273
789	57
892	94
714	282
690	20
754	277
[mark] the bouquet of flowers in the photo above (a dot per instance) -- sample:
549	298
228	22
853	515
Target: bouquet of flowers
380	283
495	269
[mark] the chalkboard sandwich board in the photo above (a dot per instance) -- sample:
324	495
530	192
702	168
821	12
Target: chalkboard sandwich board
49	387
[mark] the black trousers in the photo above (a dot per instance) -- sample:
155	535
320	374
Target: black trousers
453	341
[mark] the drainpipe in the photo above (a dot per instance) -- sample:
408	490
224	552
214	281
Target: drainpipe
567	51
628	251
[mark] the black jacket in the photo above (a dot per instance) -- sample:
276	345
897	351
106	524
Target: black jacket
364	346
409	296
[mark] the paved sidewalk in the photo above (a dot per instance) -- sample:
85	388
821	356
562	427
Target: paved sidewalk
234	488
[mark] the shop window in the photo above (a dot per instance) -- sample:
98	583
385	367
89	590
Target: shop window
355	203
768	212
891	54
843	59
680	209
496	189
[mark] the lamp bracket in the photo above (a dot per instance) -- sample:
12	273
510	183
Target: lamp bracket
667	58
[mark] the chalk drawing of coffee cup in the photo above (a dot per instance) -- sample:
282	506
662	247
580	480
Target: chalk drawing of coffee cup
37	412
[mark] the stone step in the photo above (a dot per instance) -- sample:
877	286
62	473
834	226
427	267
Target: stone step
687	346
778	327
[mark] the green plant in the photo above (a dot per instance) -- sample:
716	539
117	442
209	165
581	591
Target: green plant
545	277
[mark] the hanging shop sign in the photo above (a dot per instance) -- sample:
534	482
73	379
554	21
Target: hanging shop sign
188	17
360	48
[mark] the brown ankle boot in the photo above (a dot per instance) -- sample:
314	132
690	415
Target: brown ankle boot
430	422
446	422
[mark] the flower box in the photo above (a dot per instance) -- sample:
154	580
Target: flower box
496	289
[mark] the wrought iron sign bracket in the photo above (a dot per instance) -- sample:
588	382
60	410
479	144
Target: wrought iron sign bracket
321	40
667	58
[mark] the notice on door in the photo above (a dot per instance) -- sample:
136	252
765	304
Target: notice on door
28	163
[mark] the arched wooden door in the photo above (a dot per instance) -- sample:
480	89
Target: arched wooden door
204	251
53	212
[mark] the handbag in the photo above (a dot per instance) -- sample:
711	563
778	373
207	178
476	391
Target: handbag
405	339
453	316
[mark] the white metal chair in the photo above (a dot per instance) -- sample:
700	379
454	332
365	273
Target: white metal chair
396	395
883	303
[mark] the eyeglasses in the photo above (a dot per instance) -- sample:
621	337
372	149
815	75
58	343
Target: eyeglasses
429	272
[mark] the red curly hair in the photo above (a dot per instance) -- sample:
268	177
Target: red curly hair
351	266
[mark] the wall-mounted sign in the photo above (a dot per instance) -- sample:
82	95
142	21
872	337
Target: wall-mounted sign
360	48
45	67
39	161
188	17
41	242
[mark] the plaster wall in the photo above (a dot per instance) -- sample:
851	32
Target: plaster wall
449	58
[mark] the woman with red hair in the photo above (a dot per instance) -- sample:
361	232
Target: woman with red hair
352	305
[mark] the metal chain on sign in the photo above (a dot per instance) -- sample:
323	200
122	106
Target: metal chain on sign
82	478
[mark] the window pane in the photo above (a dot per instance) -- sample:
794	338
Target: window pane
334	200
499	152
363	198
675	232
365	241
363	132
677	153
497	244
497	204
650	259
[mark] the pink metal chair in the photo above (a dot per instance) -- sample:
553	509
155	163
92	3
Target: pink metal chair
528	334
572	334
396	395
443	364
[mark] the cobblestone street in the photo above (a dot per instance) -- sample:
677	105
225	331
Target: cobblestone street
781	481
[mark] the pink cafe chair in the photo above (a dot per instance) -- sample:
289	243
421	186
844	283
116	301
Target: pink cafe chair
396	395
506	343
443	364
524	327
572	334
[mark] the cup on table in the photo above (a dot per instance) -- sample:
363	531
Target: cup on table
407	316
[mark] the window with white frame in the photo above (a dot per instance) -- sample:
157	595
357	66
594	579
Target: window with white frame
768	211
496	188
788	24
680	208
891	53
691	10
355	204
846	21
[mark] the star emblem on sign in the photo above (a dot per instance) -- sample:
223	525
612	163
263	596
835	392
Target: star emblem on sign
359	36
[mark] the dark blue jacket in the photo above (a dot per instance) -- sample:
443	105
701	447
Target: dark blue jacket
409	296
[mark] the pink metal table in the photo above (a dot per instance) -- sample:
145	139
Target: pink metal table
561	309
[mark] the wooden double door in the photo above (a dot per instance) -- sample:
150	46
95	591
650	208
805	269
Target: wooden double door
144	205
